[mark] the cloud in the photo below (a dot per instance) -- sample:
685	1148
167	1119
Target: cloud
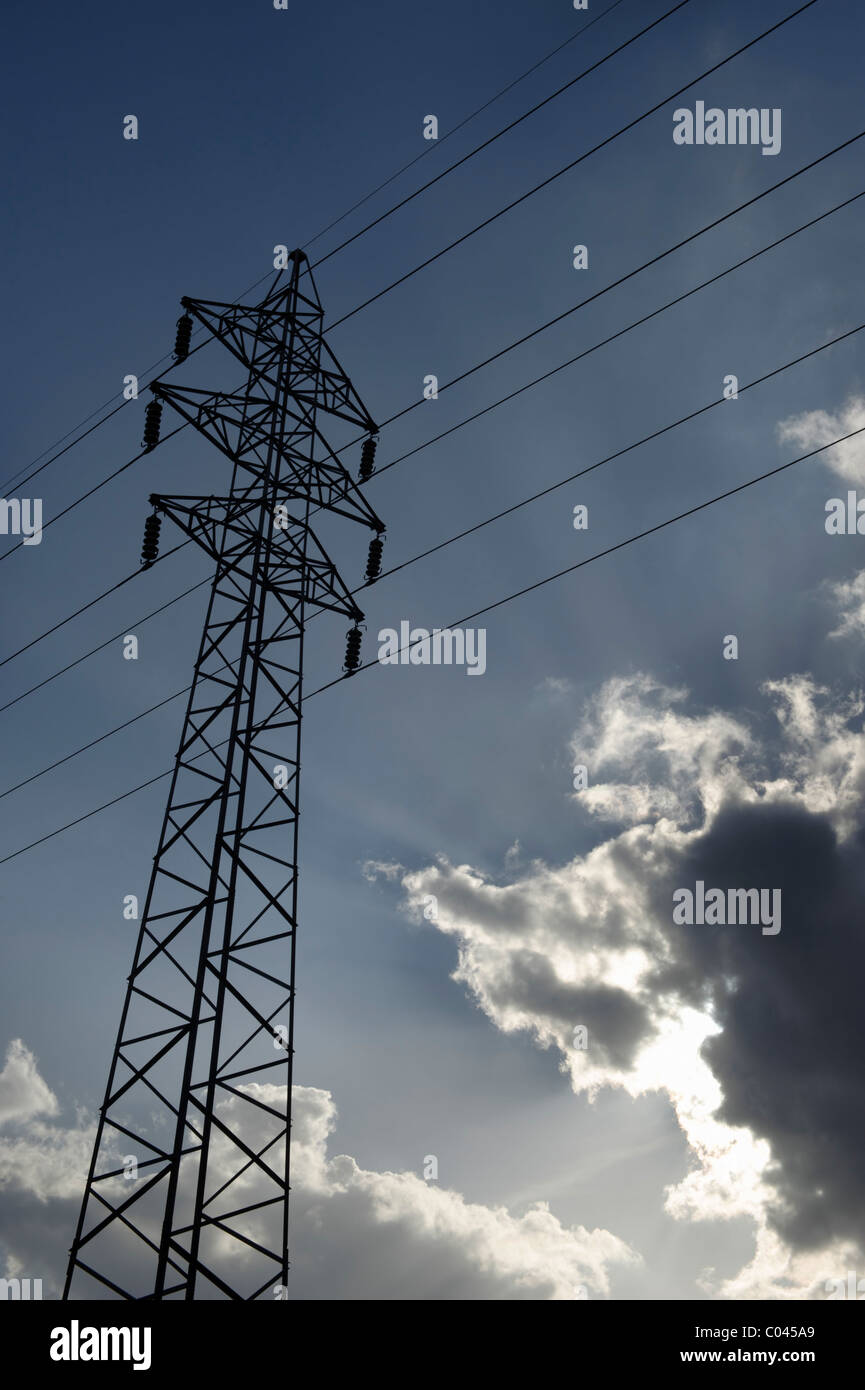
23	1093
555	687
757	1040
380	1235
355	1233
46	1161
42	1172
814	428
677	765
375	868
849	599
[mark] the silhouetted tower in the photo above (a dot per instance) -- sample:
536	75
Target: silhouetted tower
187	1194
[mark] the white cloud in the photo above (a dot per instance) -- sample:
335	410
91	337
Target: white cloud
677	765
776	1272
849	599
23	1093
375	868
356	1233
822	763
45	1160
398	1236
814	428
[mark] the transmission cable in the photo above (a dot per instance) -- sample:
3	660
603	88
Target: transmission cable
558	318
488	608
480	226
315	238
545	183
511	395
507	511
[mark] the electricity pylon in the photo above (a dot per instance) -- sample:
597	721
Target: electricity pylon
187	1193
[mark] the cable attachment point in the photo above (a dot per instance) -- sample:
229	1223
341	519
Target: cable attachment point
373	560
152	421
367	458
352	650
182	338
150	544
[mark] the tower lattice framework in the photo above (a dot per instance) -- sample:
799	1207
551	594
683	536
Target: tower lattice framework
187	1193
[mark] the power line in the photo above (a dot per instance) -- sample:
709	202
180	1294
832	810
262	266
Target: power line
15	476
93	742
646	439
436	144
96	488
139	622
498	134
479	526
609	550
558	318
604	342
105	418
545	183
488	608
168	357
88	814
84	607
654	260
511	395
480	226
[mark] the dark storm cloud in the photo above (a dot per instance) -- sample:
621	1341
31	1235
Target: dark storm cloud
790	1054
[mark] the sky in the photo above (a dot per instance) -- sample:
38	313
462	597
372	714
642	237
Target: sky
707	1142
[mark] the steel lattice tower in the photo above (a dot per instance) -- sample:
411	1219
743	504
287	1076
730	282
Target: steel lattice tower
198	1101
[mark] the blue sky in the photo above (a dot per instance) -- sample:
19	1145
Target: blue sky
260	127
